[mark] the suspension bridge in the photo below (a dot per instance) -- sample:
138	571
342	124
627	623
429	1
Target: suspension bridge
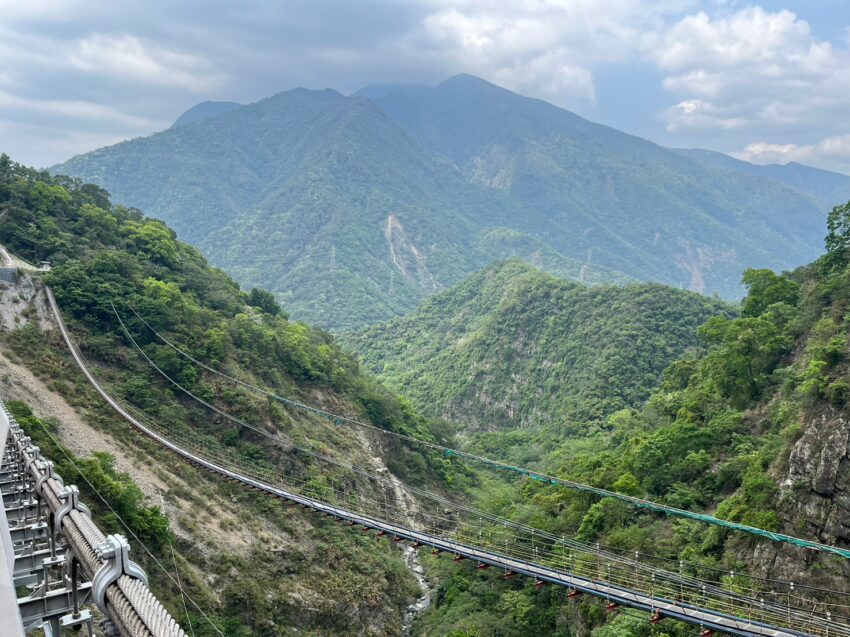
364	500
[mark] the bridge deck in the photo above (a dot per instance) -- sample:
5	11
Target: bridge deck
11	624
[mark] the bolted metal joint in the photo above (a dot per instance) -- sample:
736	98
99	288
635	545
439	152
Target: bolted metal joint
71	500
108	629
45	468
115	552
34	453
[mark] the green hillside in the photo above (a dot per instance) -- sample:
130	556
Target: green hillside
352	210
753	430
511	347
618	200
320	198
321	580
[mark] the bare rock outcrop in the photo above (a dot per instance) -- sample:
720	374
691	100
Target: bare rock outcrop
816	493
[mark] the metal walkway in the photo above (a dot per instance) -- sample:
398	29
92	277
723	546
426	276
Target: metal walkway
57	553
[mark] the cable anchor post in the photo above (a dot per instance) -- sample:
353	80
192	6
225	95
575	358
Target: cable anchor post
115	552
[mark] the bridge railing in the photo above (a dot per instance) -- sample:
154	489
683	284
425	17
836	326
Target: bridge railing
51	509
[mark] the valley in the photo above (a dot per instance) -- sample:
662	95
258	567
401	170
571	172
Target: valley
639	391
451	318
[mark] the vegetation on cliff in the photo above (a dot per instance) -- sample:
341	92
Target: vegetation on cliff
533	357
734	431
322	578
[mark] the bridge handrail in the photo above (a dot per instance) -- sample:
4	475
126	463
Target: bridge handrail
132	607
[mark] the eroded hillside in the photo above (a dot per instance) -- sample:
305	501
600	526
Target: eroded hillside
254	566
353	210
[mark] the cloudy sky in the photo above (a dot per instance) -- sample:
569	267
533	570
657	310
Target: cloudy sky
766	82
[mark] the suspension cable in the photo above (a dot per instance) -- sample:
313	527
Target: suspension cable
495	464
627	563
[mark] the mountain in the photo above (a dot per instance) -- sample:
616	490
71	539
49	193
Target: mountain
829	187
754	430
511	347
622	201
253	565
204	110
352	210
323	199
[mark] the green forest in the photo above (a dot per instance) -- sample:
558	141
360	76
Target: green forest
521	359
105	254
640	389
719	434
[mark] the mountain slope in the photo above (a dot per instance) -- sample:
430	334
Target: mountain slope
352	210
754	430
319	581
828	187
628	203
512	347
320	198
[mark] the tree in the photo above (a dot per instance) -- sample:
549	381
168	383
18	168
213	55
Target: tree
838	236
766	288
265	301
154	238
746	351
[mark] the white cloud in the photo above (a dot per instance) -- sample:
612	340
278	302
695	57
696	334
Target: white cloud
727	74
543	48
831	152
74	109
754	69
127	58
697	113
732	72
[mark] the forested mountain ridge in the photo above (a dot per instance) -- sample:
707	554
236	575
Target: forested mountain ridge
754	430
353	210
511	347
320	198
320	579
626	202
829	188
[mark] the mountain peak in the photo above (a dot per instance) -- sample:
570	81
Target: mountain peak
467	78
204	110
470	82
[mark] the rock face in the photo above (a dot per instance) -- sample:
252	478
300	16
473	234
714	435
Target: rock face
815	504
22	303
817	489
